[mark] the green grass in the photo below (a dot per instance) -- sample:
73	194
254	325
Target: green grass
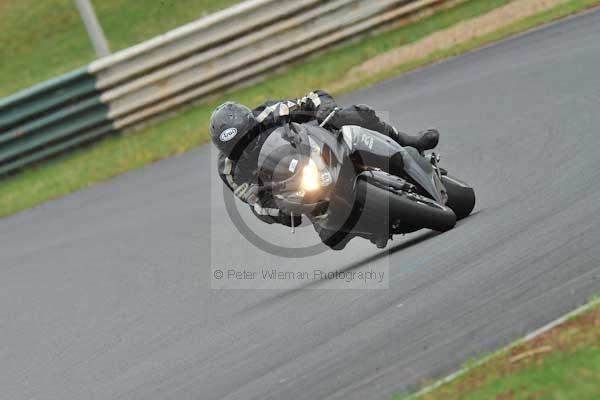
118	153
567	368
40	39
562	376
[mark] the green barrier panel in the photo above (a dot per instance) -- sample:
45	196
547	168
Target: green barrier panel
39	123
46	96
56	148
61	129
50	117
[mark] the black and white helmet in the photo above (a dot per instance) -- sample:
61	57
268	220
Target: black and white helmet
230	124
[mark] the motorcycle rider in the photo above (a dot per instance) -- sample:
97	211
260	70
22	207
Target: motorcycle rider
239	132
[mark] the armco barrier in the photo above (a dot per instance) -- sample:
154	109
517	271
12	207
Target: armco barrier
185	64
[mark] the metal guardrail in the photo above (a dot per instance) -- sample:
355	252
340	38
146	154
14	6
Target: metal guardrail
183	65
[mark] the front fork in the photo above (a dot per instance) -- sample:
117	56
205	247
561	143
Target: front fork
435	160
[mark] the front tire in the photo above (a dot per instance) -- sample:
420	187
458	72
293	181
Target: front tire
461	198
408	208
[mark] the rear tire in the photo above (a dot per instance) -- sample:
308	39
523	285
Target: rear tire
408	208
461	198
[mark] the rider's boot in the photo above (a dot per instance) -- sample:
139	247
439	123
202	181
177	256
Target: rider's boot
365	117
425	140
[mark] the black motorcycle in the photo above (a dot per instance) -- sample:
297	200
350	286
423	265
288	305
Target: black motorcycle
357	182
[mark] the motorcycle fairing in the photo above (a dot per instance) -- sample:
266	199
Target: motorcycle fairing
377	149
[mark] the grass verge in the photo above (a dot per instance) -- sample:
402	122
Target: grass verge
42	39
562	363
118	153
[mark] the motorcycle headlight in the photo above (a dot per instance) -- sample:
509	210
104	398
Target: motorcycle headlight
314	177
311	178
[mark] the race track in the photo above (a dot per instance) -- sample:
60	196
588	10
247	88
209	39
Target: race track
106	294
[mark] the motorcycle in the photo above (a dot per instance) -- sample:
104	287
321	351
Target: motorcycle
357	182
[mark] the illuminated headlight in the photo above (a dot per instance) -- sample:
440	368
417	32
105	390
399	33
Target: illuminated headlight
311	177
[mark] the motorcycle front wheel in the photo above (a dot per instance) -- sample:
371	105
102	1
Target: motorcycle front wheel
378	204
461	197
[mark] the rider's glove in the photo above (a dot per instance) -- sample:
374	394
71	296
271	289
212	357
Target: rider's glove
248	193
281	114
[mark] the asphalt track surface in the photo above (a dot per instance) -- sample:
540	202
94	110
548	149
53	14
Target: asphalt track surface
106	294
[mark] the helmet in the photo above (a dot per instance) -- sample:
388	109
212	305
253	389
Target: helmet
229	127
